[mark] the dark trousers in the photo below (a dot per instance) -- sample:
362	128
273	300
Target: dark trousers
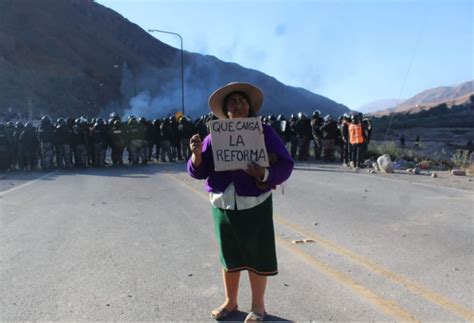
317	147
294	146
355	154
117	154
346	153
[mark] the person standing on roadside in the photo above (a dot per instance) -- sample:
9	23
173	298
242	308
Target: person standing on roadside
241	201
346	121
402	141
417	142
356	139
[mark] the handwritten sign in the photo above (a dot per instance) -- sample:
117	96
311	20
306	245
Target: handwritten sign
235	142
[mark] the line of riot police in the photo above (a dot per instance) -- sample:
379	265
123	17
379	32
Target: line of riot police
82	143
325	135
348	136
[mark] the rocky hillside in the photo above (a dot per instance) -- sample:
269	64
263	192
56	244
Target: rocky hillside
73	57
450	95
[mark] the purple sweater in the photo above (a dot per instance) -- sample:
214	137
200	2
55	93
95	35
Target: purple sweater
217	182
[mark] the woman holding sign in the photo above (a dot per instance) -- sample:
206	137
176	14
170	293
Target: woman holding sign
241	200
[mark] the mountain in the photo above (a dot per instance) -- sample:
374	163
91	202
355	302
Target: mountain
451	95
380	105
75	57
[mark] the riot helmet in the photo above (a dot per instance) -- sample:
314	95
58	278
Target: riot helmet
60	122
45	120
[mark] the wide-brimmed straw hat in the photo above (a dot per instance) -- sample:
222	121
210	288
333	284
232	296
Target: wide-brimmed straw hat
216	100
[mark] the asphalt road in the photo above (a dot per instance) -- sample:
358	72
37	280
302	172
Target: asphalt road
138	244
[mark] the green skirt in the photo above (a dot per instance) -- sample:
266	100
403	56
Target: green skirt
247	239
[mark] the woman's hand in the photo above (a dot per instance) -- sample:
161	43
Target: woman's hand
255	170
195	144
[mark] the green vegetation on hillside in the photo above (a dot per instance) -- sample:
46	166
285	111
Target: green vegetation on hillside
459	116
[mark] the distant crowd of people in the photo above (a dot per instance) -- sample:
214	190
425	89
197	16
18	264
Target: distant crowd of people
83	142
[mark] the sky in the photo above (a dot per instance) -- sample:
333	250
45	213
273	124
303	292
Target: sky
354	51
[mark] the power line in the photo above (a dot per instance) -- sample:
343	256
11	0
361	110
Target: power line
420	32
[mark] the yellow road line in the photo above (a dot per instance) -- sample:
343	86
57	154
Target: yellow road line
389	307
415	288
398	279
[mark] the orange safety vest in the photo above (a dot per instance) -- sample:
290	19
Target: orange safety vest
355	134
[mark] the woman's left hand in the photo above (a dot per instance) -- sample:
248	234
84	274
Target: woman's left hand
255	170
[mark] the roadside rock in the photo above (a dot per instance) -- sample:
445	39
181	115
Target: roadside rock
385	164
417	170
375	166
434	175
458	172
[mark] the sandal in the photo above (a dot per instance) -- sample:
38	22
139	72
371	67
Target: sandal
222	313
255	317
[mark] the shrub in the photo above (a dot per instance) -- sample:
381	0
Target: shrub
461	158
459	131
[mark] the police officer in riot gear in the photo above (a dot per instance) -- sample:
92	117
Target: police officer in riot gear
367	127
28	147
10	129
143	150
293	136
201	127
330	134
356	139
157	137
346	147
99	142
80	135
284	129
45	134
135	135
63	141
303	132
166	133
316	124
5	148
17	159
175	139
275	124
117	141
186	131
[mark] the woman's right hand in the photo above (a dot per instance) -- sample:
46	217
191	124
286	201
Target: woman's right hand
195	144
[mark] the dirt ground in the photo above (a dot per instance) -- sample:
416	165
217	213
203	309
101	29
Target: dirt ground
435	143
443	179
